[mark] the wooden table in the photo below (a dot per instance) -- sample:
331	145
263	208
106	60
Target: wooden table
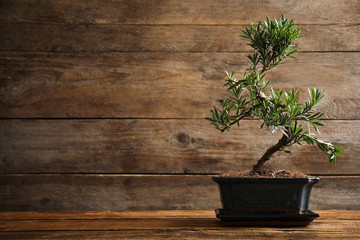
199	224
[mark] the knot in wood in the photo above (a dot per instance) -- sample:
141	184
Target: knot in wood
183	138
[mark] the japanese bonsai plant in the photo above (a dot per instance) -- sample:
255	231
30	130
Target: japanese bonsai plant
251	96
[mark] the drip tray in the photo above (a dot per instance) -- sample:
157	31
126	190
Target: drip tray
273	219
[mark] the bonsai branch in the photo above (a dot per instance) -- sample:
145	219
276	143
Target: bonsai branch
282	143
240	117
237	120
265	68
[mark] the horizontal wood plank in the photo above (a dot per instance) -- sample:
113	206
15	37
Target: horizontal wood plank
132	192
115	214
163	38
175	12
217	234
158	85
158	225
161	146
105	192
151	214
155	224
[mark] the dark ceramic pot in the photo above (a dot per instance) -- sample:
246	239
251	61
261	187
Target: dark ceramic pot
265	195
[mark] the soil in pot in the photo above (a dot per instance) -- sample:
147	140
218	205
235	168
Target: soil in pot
265	174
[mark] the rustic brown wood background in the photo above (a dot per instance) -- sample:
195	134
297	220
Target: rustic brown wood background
103	102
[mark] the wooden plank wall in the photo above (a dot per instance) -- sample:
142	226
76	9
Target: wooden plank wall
102	103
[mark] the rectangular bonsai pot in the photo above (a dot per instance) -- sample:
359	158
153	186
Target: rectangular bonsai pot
265	195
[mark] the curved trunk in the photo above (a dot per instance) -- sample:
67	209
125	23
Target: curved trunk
282	143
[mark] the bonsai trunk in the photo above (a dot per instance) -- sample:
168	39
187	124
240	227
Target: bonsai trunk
260	164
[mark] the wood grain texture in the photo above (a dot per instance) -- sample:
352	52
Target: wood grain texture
105	192
49	192
161	146
158	85
151	214
158	225
161	38
217	234
155	224
5	216
176	12
162	63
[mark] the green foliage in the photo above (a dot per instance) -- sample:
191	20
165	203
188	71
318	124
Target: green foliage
252	97
271	41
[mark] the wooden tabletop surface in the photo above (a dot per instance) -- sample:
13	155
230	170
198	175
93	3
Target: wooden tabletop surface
177	224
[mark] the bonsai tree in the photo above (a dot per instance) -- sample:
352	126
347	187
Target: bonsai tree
252	97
